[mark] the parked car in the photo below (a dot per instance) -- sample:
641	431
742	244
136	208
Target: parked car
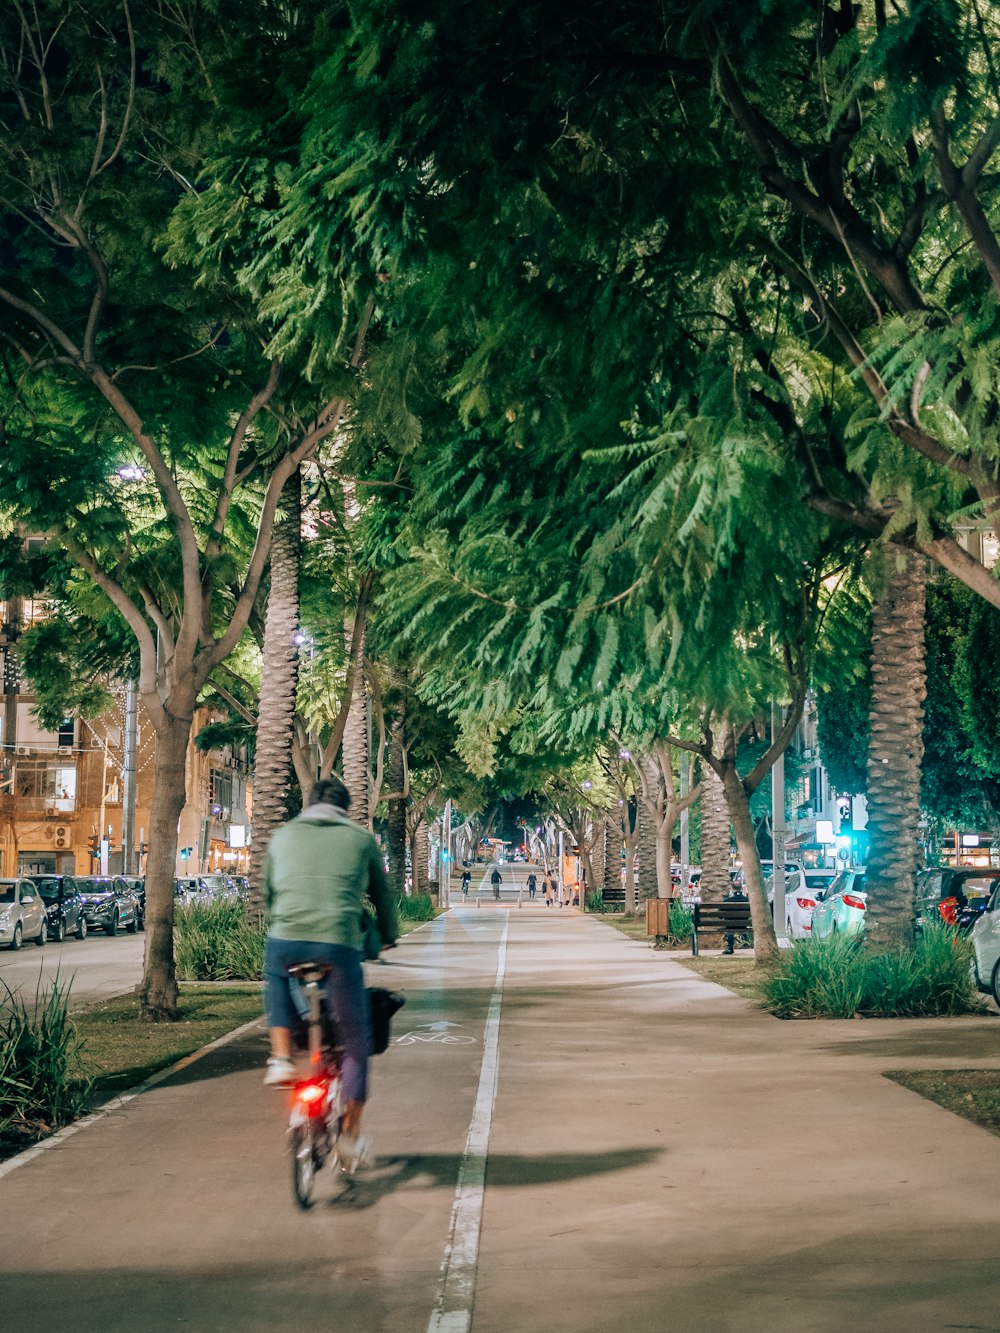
219	885
22	913
841	910
63	906
985	938
191	889
137	884
108	903
940	893
819	880
800	903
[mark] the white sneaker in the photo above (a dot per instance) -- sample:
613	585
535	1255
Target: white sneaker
279	1073
353	1154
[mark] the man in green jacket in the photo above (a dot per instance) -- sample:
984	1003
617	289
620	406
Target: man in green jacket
318	869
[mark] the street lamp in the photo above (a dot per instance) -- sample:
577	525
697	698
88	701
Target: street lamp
625	754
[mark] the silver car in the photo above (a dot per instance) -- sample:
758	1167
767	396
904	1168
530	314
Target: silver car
985	937
22	913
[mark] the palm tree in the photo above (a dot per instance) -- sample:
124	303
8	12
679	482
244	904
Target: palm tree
279	674
895	751
715	839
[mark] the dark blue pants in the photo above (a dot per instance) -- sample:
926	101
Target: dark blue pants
345	996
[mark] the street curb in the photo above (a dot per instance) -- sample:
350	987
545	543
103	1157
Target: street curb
122	1098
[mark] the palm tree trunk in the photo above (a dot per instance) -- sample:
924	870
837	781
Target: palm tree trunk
273	770
646	832
715	860
895	751
420	857
396	801
357	743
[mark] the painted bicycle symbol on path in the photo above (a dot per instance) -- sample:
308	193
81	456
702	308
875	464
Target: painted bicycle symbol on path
439	1033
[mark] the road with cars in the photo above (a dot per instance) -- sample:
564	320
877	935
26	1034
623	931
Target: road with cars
93	968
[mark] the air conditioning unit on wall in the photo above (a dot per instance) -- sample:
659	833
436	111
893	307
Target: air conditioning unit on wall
62	841
23	749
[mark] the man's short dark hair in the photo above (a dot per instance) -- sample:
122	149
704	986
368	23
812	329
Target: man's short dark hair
331	791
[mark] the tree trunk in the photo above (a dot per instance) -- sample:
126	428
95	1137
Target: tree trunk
646	823
765	945
357	745
158	991
631	832
896	749
278	678
599	855
715	859
665	853
396	801
421	856
613	850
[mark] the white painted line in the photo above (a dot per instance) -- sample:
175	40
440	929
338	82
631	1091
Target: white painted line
116	1103
453	1309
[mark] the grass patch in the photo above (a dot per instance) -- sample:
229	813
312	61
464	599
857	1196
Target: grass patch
741	975
971	1093
120	1051
632	926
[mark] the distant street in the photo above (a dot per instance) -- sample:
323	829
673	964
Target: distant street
95	967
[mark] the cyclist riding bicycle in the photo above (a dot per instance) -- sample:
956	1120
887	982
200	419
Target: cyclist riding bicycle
496	879
466	881
318	869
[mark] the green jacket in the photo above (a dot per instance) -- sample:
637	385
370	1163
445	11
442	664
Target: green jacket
317	871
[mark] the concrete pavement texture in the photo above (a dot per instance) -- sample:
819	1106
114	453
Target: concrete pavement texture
661	1155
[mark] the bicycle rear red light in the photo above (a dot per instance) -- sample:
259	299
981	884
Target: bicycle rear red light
311	1092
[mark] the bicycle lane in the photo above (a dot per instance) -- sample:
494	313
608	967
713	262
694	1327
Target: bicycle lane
177	1208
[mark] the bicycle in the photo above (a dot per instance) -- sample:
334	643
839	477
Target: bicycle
315	1119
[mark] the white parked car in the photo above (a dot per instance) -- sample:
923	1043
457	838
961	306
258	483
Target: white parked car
800	902
22	913
985	937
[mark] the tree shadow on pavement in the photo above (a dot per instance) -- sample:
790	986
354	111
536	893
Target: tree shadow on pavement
391	1175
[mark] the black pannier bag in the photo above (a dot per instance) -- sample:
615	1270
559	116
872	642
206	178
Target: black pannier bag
384	1003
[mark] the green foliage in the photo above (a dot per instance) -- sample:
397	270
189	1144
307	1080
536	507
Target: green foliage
218	941
41	1085
841	977
415	907
681	922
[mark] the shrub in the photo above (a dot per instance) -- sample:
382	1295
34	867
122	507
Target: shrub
841	976
218	941
416	907
41	1085
680	921
594	902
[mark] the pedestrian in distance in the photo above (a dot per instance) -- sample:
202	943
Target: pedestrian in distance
466	881
496	879
550	888
532	885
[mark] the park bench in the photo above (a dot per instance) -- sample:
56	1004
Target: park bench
730	918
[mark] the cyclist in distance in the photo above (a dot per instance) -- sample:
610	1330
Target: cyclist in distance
496	879
318	869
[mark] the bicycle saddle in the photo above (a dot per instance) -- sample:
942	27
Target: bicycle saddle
310	971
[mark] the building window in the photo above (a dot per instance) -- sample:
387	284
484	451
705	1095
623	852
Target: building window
220	794
67	733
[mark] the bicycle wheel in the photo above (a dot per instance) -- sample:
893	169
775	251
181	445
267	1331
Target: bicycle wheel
303	1164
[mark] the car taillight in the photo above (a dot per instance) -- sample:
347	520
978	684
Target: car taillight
805	903
849	900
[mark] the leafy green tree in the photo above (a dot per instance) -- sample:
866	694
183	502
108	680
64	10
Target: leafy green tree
152	413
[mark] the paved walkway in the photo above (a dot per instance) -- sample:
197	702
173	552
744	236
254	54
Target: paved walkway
661	1155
